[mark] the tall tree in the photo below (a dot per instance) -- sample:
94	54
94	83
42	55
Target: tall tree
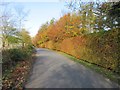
21	15
7	24
114	12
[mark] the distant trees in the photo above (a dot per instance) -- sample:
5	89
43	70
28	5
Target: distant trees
43	27
11	25
7	27
96	16
66	26
87	17
86	13
25	38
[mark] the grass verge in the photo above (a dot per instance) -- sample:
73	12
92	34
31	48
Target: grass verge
106	73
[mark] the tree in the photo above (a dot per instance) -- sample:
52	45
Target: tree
114	12
95	16
115	9
52	21
20	16
88	17
43	27
24	37
7	25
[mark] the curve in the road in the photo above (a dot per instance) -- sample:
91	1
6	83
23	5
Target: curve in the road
53	70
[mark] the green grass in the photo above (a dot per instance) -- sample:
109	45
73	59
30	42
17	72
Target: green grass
106	73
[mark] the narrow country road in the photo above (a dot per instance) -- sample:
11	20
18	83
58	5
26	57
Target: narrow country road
53	70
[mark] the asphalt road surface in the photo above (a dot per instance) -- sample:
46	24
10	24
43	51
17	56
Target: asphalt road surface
53	70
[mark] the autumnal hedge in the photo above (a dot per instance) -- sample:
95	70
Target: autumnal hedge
100	48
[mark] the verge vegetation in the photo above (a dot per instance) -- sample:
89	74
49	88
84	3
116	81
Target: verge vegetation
16	47
105	72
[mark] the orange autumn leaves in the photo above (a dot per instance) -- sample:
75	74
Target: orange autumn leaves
67	26
67	35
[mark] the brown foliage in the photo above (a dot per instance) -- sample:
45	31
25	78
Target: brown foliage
100	48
